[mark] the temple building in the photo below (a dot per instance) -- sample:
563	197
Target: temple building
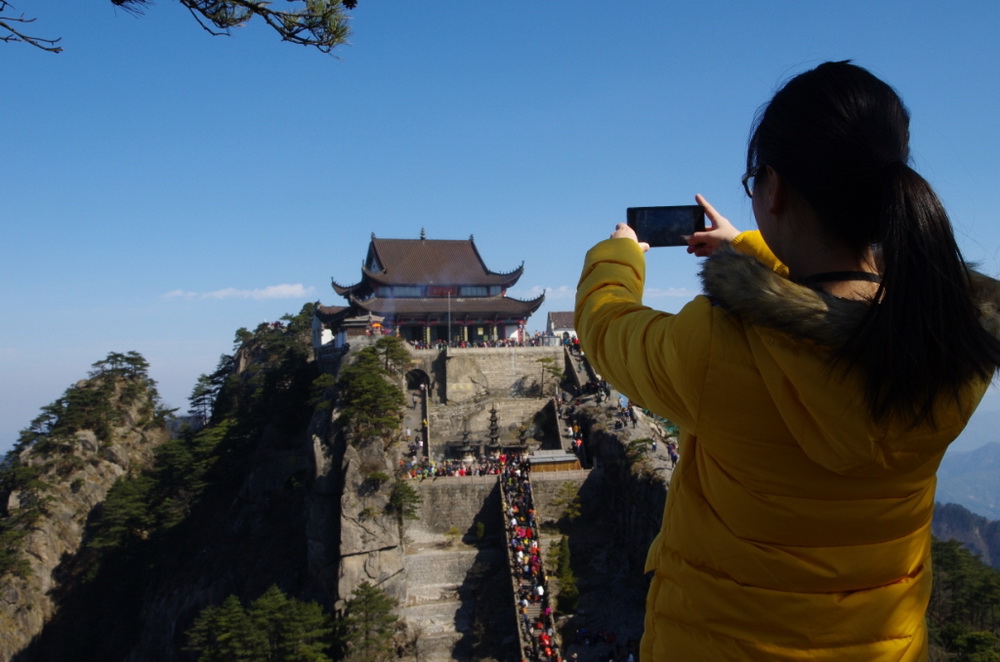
560	324
427	290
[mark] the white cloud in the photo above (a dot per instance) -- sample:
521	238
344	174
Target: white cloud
551	293
283	291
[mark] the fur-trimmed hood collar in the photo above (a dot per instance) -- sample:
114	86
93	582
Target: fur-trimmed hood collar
818	408
759	296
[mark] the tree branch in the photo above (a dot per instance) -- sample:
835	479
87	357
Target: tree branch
9	33
318	23
322	24
198	19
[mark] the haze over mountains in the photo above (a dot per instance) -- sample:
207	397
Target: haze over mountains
968	490
972	479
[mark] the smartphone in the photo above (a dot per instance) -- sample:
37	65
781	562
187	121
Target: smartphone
666	226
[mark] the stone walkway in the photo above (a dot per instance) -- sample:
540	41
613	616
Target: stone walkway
437	608
611	606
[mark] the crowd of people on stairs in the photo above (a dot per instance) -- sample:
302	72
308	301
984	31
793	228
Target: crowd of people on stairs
537	627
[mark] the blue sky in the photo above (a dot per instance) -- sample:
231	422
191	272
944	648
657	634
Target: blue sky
163	188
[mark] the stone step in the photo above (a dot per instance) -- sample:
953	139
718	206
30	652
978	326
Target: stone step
436	647
445	567
430	593
441	618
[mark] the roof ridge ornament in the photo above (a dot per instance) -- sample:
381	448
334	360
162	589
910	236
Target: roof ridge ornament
423	233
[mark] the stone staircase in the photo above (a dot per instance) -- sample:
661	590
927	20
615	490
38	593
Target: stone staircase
433	606
528	633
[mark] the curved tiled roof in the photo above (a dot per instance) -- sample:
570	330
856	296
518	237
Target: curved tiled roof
431	262
459	306
433	272
561	320
344	290
328	314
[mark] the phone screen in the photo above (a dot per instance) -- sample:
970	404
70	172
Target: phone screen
666	226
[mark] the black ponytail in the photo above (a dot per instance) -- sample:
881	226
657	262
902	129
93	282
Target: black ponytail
923	338
840	136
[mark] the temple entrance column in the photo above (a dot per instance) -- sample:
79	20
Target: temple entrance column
427	333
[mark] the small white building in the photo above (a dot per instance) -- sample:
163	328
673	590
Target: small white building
558	324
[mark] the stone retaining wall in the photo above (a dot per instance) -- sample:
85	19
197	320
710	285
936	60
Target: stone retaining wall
545	488
458	501
461	501
499	371
474	373
449	422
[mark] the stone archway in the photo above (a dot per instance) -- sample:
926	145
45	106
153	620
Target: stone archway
416	377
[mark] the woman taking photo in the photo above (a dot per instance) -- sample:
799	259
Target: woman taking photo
817	383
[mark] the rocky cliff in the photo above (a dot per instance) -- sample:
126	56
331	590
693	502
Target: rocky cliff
371	545
135	533
65	478
980	535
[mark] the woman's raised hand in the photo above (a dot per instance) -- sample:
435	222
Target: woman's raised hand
623	231
705	243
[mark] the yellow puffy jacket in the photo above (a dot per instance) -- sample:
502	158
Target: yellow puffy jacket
795	527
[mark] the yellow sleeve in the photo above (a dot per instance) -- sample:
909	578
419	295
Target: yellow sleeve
751	243
657	359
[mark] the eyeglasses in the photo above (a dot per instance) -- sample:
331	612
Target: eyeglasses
749	179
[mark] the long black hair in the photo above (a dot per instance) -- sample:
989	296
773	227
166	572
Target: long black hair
839	136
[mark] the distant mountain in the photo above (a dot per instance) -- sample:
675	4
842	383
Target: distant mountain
972	479
978	534
968	495
983	428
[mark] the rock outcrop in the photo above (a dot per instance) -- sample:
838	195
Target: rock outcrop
292	499
370	542
980	535
74	475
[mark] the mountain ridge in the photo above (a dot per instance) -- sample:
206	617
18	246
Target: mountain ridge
972	479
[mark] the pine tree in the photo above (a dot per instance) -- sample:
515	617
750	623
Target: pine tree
267	616
274	628
403	501
395	356
371	406
307	634
569	593
125	517
963	617
202	398
223	633
567	502
369	624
